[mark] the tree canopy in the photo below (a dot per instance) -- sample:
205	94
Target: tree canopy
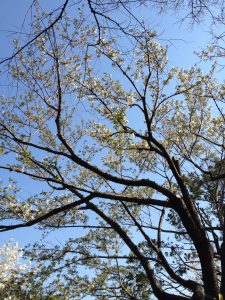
119	146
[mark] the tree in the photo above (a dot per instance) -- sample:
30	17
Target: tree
10	267
132	153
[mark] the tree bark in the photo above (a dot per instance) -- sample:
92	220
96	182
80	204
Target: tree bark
222	257
203	248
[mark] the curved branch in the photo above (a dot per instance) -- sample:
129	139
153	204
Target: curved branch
38	35
51	213
157	290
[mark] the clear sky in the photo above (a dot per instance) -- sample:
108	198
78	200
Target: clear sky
184	40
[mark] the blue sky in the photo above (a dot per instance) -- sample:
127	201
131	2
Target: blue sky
184	40
12	14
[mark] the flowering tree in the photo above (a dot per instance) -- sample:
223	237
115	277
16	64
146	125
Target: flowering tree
114	140
10	267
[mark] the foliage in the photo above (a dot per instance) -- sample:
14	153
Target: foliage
115	143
